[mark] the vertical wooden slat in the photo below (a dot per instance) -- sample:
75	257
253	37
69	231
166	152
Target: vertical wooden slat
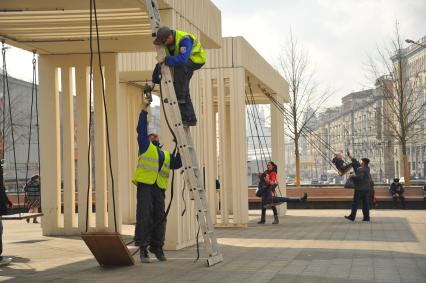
210	137
49	145
68	146
116	108
223	146
83	108
100	152
234	146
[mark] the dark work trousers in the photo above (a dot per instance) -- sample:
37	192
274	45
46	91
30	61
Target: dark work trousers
361	196
401	197
181	78
150	226
266	199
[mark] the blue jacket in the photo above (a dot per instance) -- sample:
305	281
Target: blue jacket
393	189
143	141
174	61
185	48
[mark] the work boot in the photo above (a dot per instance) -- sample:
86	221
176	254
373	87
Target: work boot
158	252
262	219
276	220
144	255
349	218
304	198
189	122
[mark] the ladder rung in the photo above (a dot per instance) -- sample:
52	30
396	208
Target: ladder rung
190	168
185	146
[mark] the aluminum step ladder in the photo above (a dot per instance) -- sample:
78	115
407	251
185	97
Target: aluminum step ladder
193	177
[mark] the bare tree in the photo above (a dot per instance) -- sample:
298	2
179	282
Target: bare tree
403	95
305	97
20	119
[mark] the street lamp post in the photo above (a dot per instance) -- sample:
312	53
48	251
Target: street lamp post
416	43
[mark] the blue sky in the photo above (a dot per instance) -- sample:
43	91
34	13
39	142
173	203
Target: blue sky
337	34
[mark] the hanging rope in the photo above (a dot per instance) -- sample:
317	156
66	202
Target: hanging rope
305	132
7	92
252	136
258	117
252	111
254	108
33	87
93	15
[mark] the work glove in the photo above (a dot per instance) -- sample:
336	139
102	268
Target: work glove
160	59
145	104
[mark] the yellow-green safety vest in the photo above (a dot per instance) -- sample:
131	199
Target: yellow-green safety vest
147	169
198	55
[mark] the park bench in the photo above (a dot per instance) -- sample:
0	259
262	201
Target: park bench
340	194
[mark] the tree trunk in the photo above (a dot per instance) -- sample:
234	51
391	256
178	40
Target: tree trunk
405	165
297	156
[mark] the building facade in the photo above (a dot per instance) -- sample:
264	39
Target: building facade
414	71
355	126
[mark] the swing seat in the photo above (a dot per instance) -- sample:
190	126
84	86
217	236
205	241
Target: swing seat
21	216
344	172
108	248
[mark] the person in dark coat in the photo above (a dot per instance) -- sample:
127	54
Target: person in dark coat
269	197
32	196
362	182
397	192
5	203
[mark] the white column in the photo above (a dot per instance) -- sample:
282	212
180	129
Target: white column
210	144
223	138
278	150
116	108
99	145
238	147
82	103
49	145
68	147
131	97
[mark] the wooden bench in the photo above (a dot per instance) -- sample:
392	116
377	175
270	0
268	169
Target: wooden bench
338	194
13	197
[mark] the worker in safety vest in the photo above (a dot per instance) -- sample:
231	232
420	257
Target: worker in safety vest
185	55
151	178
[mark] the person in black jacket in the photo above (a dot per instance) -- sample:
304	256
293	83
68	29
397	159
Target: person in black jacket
363	183
5	203
32	196
397	192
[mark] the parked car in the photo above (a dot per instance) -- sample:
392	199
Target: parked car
315	182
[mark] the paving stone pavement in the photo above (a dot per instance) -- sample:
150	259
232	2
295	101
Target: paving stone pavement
307	246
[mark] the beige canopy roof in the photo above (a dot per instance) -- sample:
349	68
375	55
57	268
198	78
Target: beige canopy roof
62	26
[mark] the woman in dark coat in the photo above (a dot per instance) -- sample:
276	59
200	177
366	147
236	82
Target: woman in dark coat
32	196
268	183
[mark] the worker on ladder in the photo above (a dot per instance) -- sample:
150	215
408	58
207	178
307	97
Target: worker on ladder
5	203
184	55
151	178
